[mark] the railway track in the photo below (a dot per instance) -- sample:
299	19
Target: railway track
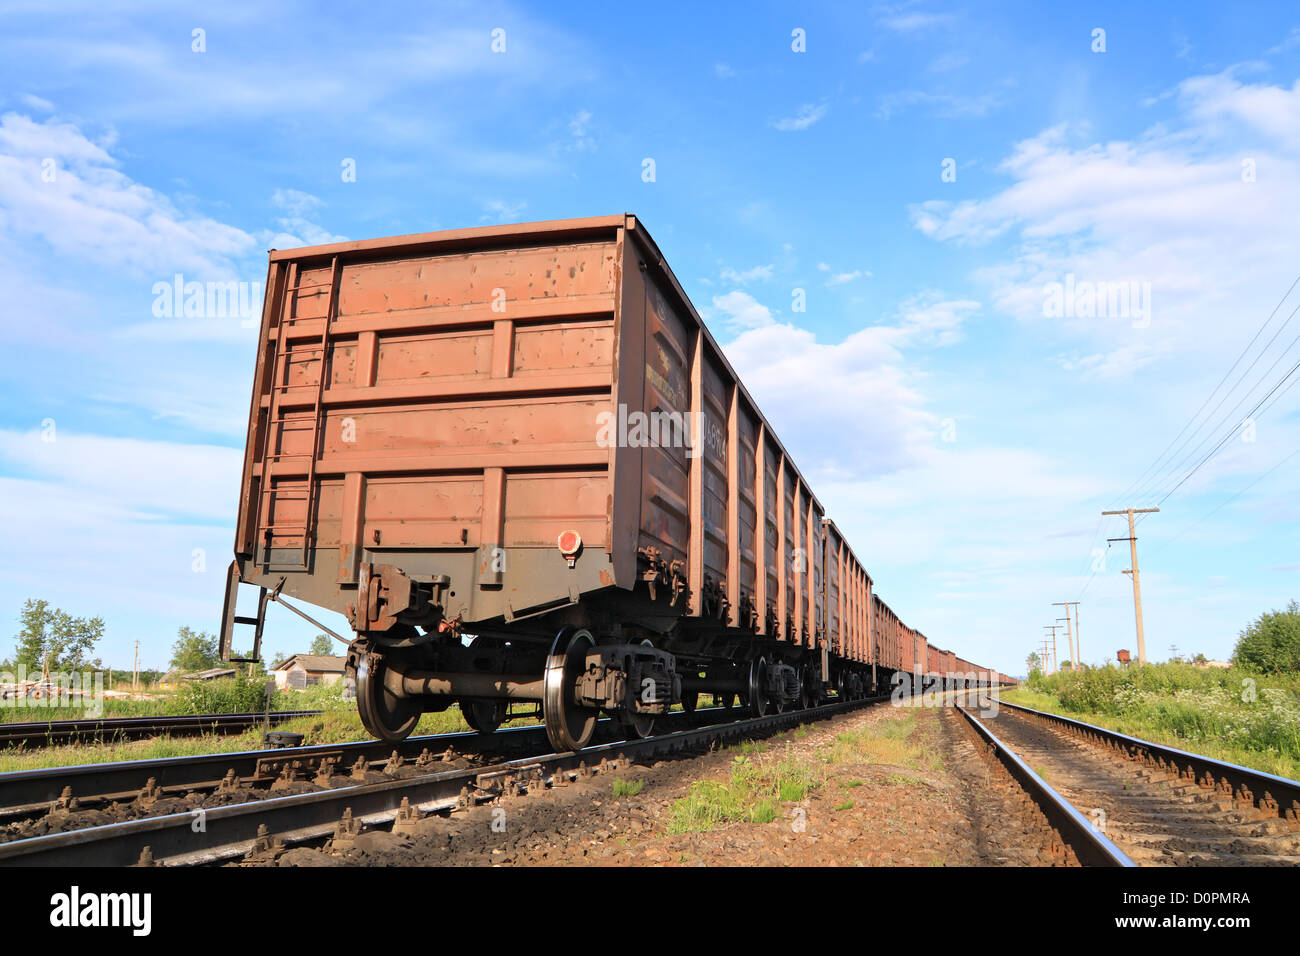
370	798
49	733
1153	805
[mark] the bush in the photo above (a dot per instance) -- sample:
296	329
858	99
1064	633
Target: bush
1271	645
233	695
1193	704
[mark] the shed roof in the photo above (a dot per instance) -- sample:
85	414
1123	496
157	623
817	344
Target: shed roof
325	663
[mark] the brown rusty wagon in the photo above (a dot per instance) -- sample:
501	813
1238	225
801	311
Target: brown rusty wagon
518	462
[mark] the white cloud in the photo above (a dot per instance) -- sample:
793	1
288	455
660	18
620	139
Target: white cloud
841	278
723	71
147	480
60	188
783	365
944	105
296	229
948	62
1170	209
578	129
905	18
742	311
37	103
808	115
756	274
1118	363
501	211
294	202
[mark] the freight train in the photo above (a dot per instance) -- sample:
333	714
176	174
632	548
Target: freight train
518	462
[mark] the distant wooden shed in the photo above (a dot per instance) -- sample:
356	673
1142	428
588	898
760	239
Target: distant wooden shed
307	670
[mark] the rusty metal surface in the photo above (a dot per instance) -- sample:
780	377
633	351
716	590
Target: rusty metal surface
433	404
442	394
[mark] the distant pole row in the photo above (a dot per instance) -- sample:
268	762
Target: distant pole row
1074	638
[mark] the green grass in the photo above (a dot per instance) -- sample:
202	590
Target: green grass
1228	713
35	711
752	793
889	741
627	788
846	805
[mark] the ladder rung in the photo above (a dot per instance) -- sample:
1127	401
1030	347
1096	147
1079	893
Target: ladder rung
314	285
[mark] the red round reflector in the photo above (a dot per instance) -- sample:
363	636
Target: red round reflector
569	542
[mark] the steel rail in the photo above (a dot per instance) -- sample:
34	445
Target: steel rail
1090	845
1267	791
25	792
229	832
22	791
52	732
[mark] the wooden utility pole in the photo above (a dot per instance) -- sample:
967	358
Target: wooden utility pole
1047	657
1055	659
1069	632
135	665
1078	638
1137	588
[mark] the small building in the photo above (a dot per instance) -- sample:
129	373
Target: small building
211	673
307	670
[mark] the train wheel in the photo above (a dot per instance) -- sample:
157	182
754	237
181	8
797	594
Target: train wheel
569	726
636	726
384	715
758	702
485	716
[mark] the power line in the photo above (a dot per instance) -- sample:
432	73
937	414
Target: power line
1210	397
1225	502
1240	401
1215	449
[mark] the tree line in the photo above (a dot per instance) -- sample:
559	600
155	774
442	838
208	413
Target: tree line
50	641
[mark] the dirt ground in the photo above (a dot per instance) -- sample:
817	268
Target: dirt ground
888	786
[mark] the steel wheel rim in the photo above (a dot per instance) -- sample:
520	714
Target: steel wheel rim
383	714
757	677
568	726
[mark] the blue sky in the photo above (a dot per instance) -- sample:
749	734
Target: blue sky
964	435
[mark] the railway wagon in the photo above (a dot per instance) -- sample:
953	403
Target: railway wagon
519	464
932	659
880	626
853	636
